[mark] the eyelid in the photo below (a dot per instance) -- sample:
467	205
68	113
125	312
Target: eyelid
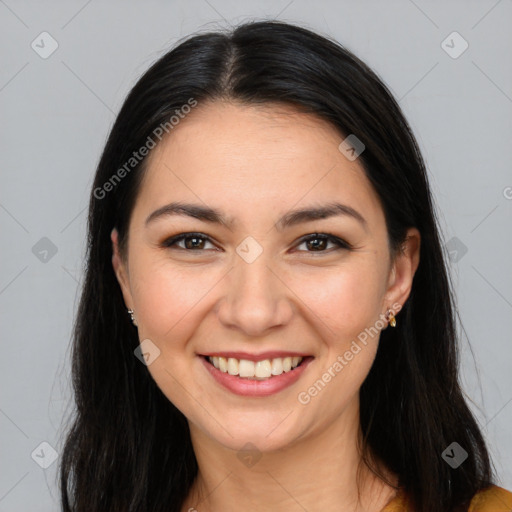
339	242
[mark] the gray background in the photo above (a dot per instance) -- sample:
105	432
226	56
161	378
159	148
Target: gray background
56	113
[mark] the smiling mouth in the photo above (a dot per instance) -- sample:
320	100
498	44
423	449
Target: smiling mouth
256	370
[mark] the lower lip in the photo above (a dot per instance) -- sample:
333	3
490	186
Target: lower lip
250	387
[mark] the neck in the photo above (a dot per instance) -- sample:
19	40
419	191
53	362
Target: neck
319	471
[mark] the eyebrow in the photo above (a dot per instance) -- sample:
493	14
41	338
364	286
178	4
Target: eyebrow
292	218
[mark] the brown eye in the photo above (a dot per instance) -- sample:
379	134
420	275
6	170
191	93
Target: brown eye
194	243
191	242
319	243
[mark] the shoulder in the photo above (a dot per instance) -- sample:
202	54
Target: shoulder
492	499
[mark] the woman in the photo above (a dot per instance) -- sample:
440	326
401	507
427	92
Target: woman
266	321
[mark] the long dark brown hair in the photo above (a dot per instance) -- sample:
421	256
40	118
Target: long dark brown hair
128	448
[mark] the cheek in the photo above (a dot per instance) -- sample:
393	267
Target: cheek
346	298
345	305
170	301
168	297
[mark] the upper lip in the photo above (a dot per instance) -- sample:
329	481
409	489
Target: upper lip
272	354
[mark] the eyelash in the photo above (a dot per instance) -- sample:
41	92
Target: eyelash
341	244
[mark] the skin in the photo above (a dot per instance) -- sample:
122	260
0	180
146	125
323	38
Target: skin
255	163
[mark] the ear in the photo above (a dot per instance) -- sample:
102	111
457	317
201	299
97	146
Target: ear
121	270
402	272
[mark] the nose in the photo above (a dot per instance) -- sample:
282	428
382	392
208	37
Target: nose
256	300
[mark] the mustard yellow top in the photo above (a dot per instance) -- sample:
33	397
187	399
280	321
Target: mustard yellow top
492	499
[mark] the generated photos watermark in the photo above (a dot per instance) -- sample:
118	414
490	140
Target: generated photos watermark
143	151
304	397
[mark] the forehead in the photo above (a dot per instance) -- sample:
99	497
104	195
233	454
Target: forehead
258	156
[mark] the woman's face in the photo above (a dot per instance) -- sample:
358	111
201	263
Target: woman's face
248	284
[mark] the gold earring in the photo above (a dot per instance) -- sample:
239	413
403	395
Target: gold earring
391	318
130	312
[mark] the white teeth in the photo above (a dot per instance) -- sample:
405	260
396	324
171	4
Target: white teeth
263	368
246	368
232	366
223	364
277	366
256	370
